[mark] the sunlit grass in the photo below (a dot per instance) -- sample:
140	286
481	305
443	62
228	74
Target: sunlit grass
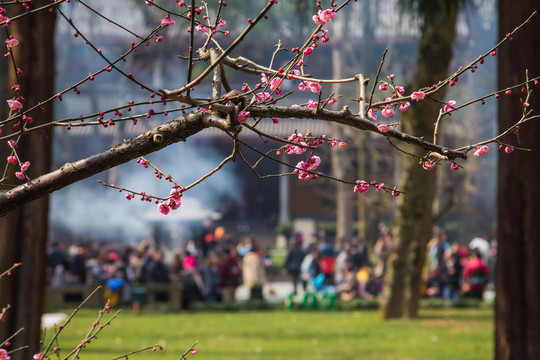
297	335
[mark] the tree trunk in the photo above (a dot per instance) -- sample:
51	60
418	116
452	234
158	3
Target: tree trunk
23	234
342	160
413	225
517	279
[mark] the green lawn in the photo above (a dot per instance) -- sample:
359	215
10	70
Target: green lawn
438	334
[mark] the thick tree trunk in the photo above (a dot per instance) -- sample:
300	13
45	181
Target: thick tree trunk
413	225
23	234
517	278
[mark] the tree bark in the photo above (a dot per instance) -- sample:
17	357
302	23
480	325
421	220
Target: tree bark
23	234
413	225
517	280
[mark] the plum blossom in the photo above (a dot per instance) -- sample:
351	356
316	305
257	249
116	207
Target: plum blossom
395	192
428	164
164	208
379	187
275	85
4	355
25	166
481	151
361	186
400	89
293	149
167	21
11	43
5	22
371	114
324	16
308	51
387	111
314	87
311	104
509	149
454	166
404	106
383	128
20	175
12	160
201	28
418	95
293	73
449	106
383	87
303	86
14	105
243	116
173	204
304	168
332	101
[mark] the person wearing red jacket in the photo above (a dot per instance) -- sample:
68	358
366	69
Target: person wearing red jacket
475	276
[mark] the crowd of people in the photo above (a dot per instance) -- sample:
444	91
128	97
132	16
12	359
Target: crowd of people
212	268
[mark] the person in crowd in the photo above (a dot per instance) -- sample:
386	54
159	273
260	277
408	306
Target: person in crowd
253	272
360	254
347	288
155	270
475	276
454	272
293	263
209	270
438	270
309	267
230	274
343	257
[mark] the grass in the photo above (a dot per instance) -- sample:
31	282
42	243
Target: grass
437	334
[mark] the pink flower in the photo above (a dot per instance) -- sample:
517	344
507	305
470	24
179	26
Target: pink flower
275	120
332	101
164	208
454	166
175	193
395	192
25	166
324	16
14	105
311	104
361	186
167	21
418	95
20	175
12	160
383	128
243	116
303	86
222	23
173	204
428	164
400	89
404	106
371	114
293	73
383	87
193	352
275	85
387	111
308	51
5	22
342	144
201	28
4	355
481	151
11	43
314	87
449	106
509	149
379	187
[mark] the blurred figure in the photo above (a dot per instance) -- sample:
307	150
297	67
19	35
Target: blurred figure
253	273
210	274
454	271
293	262
347	289
155	270
230	274
475	276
